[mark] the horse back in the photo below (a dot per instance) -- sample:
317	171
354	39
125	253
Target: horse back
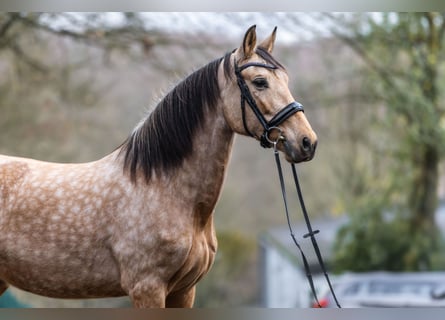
12	174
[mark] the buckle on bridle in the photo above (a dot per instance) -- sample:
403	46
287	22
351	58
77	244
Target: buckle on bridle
266	141
279	118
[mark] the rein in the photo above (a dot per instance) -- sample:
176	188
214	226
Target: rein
311	233
266	142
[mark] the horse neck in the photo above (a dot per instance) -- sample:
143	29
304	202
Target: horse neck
198	171
202	174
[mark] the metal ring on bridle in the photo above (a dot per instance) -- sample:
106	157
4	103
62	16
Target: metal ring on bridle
280	136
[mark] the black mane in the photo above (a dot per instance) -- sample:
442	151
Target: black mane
165	138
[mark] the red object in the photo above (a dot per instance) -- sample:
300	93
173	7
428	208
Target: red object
324	303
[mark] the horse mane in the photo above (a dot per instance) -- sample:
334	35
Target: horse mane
165	138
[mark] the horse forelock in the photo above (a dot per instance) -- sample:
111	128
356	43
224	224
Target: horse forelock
165	138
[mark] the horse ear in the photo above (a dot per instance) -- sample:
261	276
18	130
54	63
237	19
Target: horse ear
269	42
249	43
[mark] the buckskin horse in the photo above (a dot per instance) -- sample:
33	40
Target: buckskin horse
139	222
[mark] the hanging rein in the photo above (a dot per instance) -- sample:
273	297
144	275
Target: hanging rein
267	142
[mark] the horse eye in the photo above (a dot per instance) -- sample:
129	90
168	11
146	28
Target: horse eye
260	83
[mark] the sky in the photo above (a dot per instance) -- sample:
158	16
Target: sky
231	25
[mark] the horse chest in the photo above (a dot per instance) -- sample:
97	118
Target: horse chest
198	261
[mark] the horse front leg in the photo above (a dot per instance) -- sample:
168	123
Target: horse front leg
148	294
182	299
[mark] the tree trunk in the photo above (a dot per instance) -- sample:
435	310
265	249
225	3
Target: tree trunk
423	204
426	157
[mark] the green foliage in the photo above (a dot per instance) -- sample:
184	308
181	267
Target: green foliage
378	239
392	224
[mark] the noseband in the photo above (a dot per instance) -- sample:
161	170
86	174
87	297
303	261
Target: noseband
246	96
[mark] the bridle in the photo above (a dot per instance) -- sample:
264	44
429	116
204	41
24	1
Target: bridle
266	142
246	96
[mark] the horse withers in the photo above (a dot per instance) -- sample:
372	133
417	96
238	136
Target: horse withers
139	221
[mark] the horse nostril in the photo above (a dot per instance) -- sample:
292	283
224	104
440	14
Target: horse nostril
306	144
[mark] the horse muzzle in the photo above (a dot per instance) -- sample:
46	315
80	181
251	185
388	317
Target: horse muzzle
302	151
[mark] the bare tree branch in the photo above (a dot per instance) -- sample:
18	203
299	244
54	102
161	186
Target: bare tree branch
33	23
27	59
382	72
13	17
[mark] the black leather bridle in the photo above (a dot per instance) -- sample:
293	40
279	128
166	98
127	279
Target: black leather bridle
246	96
267	142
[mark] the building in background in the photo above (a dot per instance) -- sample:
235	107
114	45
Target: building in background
282	276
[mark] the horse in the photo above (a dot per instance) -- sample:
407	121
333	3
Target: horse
139	221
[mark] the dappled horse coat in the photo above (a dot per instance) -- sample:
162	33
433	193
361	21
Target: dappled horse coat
139	221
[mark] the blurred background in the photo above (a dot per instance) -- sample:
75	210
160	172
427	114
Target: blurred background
73	86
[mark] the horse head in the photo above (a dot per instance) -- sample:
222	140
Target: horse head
257	100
